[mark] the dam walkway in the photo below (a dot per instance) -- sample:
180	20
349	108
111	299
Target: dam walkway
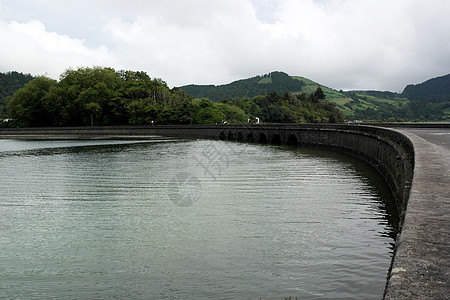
420	268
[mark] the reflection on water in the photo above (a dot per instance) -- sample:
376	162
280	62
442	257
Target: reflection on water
190	219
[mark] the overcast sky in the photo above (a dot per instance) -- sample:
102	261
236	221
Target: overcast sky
343	44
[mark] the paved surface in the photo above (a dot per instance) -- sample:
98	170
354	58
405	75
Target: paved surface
437	136
421	267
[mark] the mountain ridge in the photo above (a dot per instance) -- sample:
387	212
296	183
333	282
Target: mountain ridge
436	89
356	104
276	81
426	101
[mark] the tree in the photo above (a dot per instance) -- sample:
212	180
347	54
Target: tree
94	108
319	94
26	107
67	101
232	113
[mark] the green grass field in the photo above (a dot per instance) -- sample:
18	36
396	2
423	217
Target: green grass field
265	80
351	102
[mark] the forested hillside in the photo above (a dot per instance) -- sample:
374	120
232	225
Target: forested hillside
275	82
373	105
290	108
356	105
9	83
433	90
104	96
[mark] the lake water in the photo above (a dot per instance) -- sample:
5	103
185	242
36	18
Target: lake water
187	219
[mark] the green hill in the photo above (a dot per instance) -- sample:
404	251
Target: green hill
373	105
277	82
431	97
9	83
433	90
339	98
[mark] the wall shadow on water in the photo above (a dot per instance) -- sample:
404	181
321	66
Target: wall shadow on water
386	204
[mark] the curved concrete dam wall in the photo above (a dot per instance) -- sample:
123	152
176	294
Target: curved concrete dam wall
389	151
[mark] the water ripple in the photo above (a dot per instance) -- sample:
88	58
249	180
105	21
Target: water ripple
97	219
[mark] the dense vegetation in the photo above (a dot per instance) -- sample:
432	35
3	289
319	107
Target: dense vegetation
411	105
103	96
428	101
9	83
433	90
365	106
289	108
275	82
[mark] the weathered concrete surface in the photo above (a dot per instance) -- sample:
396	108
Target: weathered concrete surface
437	136
420	267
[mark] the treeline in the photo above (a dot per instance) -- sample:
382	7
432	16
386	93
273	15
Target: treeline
413	111
9	83
104	96
274	82
289	108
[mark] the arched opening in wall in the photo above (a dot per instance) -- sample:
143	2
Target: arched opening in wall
262	138
240	137
292	141
276	139
230	136
250	138
222	136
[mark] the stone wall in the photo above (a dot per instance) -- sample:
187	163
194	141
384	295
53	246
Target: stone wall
390	152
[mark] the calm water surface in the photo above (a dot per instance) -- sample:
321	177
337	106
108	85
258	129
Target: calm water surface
190	220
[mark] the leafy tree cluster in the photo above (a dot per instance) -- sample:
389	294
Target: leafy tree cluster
103	96
277	82
9	83
290	108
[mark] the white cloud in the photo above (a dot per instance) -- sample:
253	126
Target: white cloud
30	48
348	44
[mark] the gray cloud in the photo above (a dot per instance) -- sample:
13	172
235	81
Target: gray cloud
345	44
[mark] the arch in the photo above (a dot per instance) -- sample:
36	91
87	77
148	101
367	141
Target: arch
292	141
230	136
250	137
276	139
262	138
240	137
222	136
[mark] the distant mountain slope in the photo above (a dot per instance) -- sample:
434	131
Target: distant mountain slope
12	81
354	104
433	90
9	83
278	82
339	98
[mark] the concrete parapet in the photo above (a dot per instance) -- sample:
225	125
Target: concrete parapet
420	266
